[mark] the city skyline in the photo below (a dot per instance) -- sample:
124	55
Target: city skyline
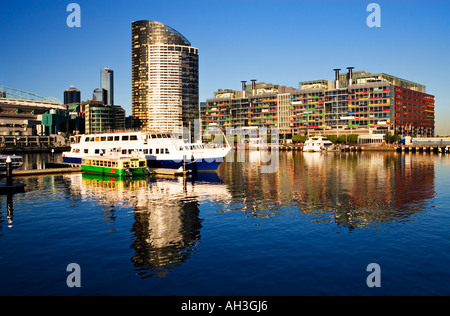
282	43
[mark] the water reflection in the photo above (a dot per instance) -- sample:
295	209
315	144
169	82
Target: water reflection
166	225
350	189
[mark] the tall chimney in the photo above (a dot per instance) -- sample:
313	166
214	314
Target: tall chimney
350	75
253	86
337	77
243	88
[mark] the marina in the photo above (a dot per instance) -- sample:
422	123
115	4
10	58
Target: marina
310	227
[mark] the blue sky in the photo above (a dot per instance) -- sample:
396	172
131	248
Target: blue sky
282	42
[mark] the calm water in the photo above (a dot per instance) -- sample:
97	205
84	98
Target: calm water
310	228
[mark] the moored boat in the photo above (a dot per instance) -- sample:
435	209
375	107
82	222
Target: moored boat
160	149
16	161
317	144
119	167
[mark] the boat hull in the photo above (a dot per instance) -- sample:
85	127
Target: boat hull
198	165
118	172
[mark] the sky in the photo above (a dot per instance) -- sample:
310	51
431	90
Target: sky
280	42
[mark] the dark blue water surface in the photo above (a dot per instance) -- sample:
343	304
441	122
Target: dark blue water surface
311	227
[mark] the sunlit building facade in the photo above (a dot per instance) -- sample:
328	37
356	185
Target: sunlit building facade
164	78
359	103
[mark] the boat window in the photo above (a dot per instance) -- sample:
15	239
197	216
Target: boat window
167	150
164	136
130	151
141	163
133	137
125	137
103	138
186	147
116	138
113	164
162	150
92	139
97	151
158	136
110	138
97	139
86	151
153	136
145	151
181	148
86	139
126	164
124	151
157	151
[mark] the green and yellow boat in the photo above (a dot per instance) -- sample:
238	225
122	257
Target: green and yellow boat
118	167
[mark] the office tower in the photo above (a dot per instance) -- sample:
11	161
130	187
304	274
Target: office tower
72	95
101	95
164	78
107	83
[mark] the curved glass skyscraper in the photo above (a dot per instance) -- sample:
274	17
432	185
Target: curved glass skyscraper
164	78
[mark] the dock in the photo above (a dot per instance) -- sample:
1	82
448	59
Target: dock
62	168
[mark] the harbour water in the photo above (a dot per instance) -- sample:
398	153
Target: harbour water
312	227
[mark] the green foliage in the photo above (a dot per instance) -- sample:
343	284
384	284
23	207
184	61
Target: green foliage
392	138
299	138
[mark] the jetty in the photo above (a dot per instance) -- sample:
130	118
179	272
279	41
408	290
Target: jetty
65	168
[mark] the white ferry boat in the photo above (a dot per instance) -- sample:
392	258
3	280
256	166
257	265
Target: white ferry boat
162	150
317	143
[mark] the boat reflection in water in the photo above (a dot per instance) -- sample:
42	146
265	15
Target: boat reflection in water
166	226
354	190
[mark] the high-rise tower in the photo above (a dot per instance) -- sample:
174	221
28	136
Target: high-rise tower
107	83
164	78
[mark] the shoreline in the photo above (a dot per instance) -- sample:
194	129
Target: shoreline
7	151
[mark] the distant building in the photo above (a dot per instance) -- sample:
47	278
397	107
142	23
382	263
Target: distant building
107	83
164	78
360	103
101	118
101	95
72	95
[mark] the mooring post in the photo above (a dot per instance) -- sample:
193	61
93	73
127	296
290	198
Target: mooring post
8	171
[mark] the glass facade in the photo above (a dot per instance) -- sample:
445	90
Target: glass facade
164	78
107	83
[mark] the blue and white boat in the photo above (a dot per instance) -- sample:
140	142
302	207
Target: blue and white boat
16	161
161	149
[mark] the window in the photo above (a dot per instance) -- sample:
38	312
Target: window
133	137
103	138
145	151
167	150
124	151
116	138
110	138
86	151
125	138
97	151
157	151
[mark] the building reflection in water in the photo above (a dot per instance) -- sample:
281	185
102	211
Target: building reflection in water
166	226
351	189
